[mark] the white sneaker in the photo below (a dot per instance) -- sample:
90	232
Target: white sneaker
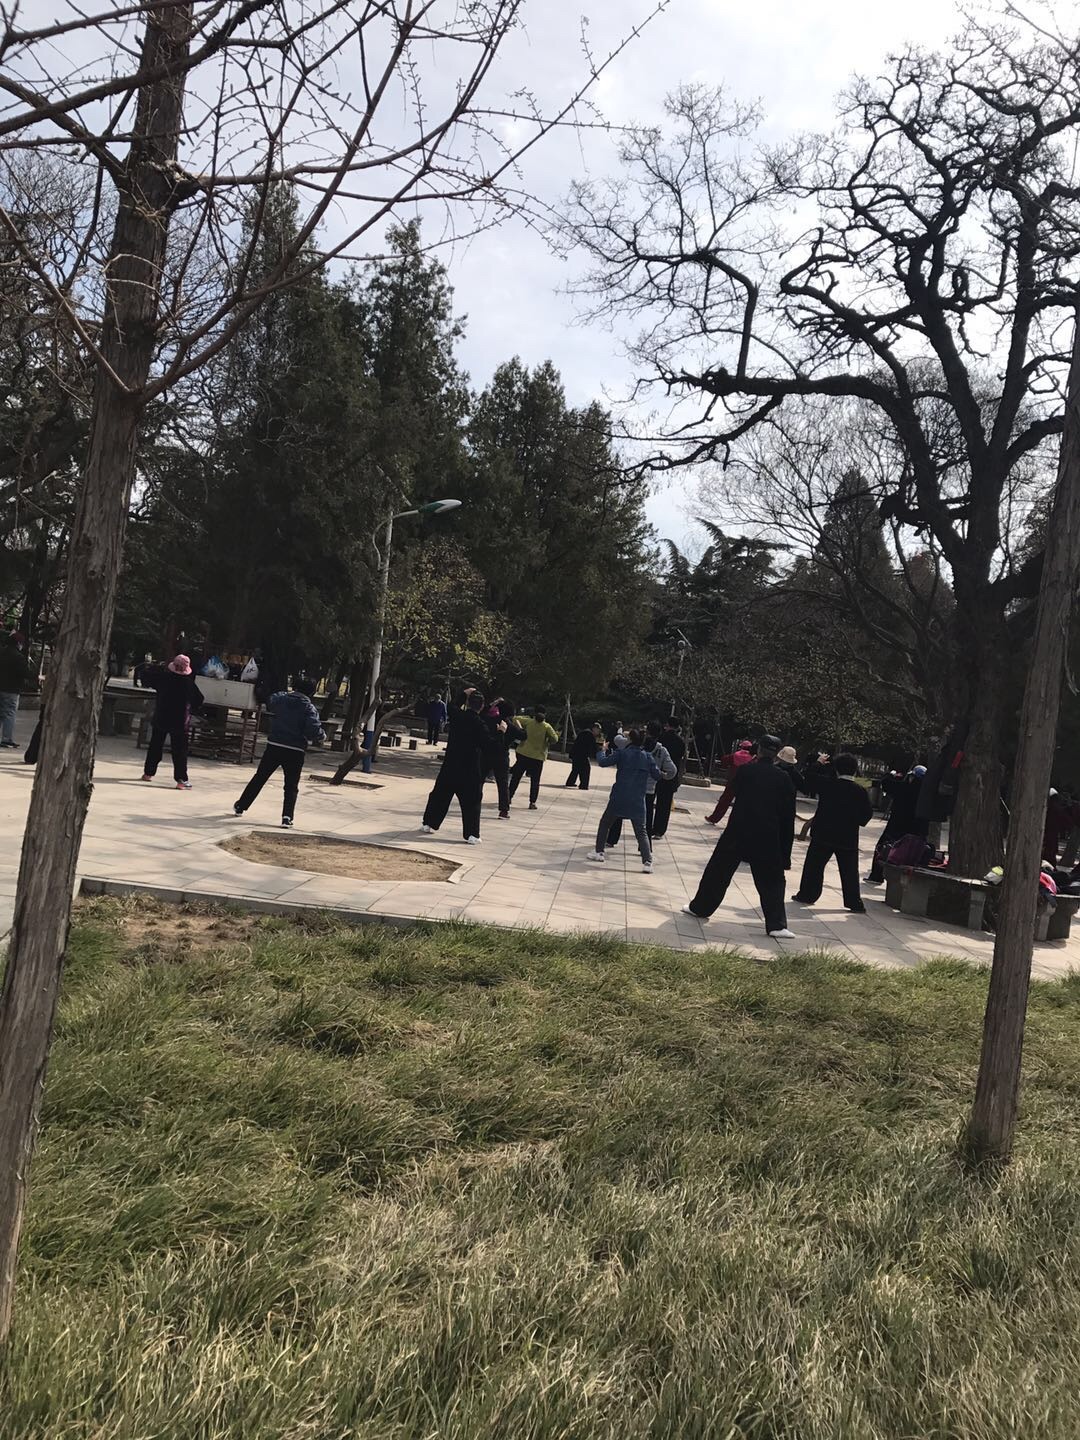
474	840
596	856
646	866
426	830
781	935
687	911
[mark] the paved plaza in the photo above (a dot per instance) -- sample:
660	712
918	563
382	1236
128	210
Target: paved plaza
530	869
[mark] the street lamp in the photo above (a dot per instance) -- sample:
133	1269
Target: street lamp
433	507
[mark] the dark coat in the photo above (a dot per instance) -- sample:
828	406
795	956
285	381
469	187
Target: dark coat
469	744
585	746
843	808
176	696
294	721
675	746
503	741
762	824
903	817
14	669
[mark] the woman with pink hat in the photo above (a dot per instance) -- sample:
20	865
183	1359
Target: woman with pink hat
178	697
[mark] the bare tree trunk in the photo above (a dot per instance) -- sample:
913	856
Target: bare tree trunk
63	783
379	717
993	1114
976	828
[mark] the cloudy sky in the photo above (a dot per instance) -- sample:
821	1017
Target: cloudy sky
791	56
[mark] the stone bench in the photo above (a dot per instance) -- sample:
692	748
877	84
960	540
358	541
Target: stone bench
955	900
1055	924
936	895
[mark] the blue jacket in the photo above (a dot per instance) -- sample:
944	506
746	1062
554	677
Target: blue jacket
634	769
294	721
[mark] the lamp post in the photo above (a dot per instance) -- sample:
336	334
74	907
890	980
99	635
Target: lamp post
433	507
684	647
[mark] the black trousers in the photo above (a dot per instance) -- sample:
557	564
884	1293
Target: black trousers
580	770
178	743
291	762
524	766
500	768
434	728
768	876
665	798
813	874
465	787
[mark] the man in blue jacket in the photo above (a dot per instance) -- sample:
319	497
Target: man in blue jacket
294	724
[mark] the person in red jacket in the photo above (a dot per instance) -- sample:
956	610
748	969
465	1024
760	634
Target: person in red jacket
742	755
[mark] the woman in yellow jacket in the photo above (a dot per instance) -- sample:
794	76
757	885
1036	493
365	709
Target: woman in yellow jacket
532	752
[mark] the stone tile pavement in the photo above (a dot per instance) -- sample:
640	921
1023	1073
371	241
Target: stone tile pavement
530	869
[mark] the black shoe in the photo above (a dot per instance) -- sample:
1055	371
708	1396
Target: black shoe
236	810
8	745
534	807
799	900
286	822
856	909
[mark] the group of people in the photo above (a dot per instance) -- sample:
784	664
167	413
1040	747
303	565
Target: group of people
480	739
761	831
294	726
648	766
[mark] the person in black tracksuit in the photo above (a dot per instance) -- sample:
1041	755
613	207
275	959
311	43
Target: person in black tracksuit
760	833
843	808
504	736
470	750
294	724
582	754
675	746
903	819
177	699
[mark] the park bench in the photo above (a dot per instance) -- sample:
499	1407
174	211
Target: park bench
955	900
120	708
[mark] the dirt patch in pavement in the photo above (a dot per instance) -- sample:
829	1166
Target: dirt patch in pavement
325	855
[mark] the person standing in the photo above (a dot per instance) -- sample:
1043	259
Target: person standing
470	749
743	754
504	736
634	768
436	718
532	752
582	754
675	745
14	673
760	833
177	698
294	725
653	746
903	819
843	808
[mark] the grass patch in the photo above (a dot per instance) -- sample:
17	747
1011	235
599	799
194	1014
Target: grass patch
299	1180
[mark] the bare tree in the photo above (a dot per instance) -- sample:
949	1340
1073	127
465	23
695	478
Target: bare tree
188	115
940	250
813	478
997	1091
